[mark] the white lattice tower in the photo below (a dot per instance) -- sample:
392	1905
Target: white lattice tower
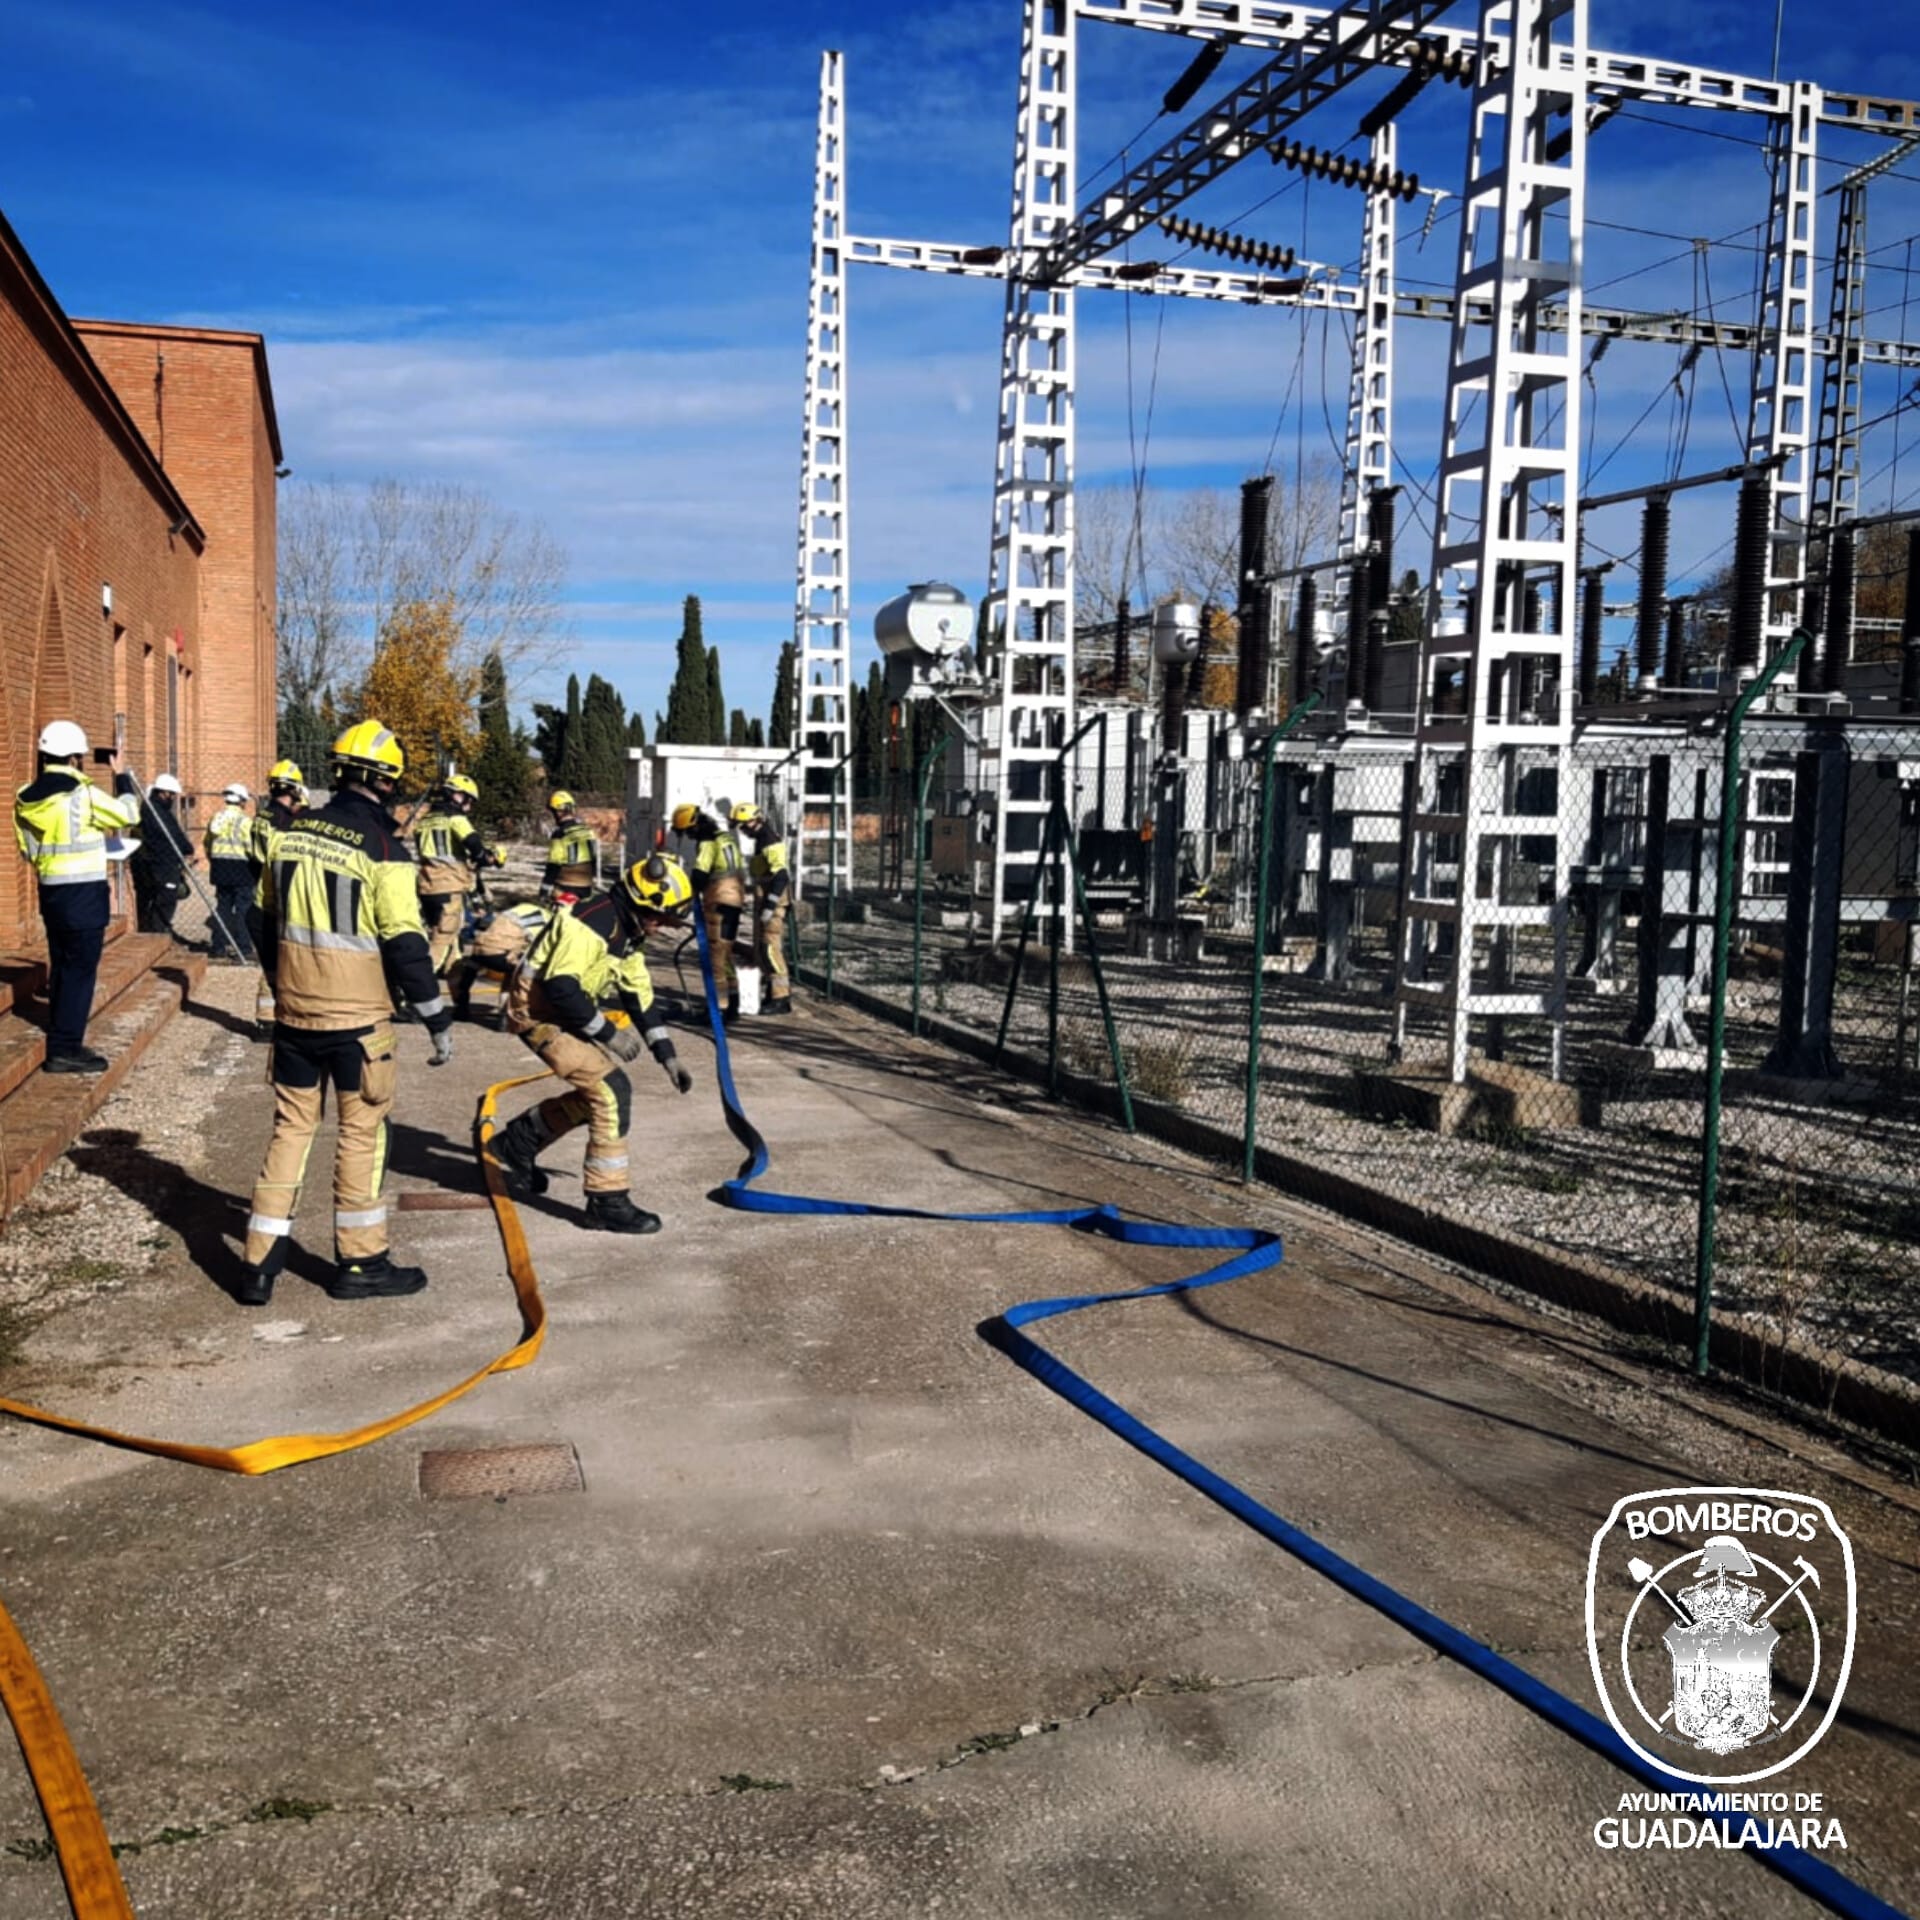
1369	442
1779	419
1836	457
1477	936
1029	610
820	832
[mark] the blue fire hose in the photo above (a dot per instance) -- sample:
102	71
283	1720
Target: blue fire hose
1255	1251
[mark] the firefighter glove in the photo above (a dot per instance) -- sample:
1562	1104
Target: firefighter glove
624	1043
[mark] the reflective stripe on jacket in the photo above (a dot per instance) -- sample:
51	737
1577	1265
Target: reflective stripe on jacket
61	822
340	918
229	834
769	868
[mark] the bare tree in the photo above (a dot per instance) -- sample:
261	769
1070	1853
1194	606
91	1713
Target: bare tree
1186	544
349	556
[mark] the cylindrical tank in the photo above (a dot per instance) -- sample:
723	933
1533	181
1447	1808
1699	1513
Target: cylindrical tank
1176	632
932	618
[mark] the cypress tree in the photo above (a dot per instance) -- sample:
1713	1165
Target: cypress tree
756	733
500	768
780	721
686	720
716	702
636	729
871	719
737	729
574	769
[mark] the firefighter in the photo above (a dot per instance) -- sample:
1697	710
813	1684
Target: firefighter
337	916
61	821
573	854
497	948
452	855
229	843
772	883
718	871
589	953
286	801
159	863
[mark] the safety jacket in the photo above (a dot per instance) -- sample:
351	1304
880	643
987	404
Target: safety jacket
717	867
337	918
61	822
275	817
229	834
573	856
589	954
770	871
530	918
449	849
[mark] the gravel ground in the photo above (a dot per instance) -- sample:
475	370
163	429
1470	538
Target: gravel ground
1820	1230
80	1233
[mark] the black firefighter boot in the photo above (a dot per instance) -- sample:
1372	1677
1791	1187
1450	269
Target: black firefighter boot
373	1278
517	1146
616	1213
254	1288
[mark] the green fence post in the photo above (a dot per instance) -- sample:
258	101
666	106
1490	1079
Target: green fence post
1262	901
1106	1005
1717	1020
833	855
927	764
1057	905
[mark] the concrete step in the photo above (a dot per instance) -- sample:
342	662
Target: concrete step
45	1113
23	1038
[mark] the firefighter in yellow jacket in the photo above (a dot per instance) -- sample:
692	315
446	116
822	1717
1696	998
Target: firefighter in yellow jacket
229	843
590	953
286	801
61	822
573	853
452	855
337	919
719	878
772	886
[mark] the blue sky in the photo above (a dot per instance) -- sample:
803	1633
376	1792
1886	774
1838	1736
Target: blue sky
562	258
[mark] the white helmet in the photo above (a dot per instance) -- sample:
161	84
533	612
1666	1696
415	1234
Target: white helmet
61	739
165	783
237	793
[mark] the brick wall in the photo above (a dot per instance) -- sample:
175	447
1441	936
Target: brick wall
203	399
82	504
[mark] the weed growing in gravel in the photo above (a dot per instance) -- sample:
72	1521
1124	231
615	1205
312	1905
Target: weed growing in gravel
746	1783
305	1811
1191	1683
30	1849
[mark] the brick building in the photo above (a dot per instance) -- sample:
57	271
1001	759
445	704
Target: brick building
136	546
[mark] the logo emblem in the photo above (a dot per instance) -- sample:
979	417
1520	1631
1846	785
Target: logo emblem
1715	1617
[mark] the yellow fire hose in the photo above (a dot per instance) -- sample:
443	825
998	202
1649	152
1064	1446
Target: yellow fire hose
94	1887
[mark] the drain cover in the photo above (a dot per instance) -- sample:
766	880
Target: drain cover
495	1473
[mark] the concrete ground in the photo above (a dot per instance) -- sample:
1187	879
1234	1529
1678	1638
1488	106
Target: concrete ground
853	1617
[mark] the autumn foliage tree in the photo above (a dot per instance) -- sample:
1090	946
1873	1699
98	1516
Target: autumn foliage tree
416	686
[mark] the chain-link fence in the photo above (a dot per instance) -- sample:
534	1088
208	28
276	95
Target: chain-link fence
1517	1066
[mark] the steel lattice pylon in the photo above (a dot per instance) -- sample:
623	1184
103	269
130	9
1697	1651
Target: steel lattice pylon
823	603
1472	907
1836	452
1029	609
1779	423
1369	437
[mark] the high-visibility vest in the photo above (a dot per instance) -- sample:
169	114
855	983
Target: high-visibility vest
768	861
61	822
718	854
229	835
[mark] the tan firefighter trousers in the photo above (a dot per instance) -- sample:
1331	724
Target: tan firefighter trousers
601	1099
770	928
443	915
361	1070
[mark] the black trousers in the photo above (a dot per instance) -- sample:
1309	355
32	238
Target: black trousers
233	895
76	921
156	899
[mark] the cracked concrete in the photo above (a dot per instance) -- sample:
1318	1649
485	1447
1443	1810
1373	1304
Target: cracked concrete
830	1539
